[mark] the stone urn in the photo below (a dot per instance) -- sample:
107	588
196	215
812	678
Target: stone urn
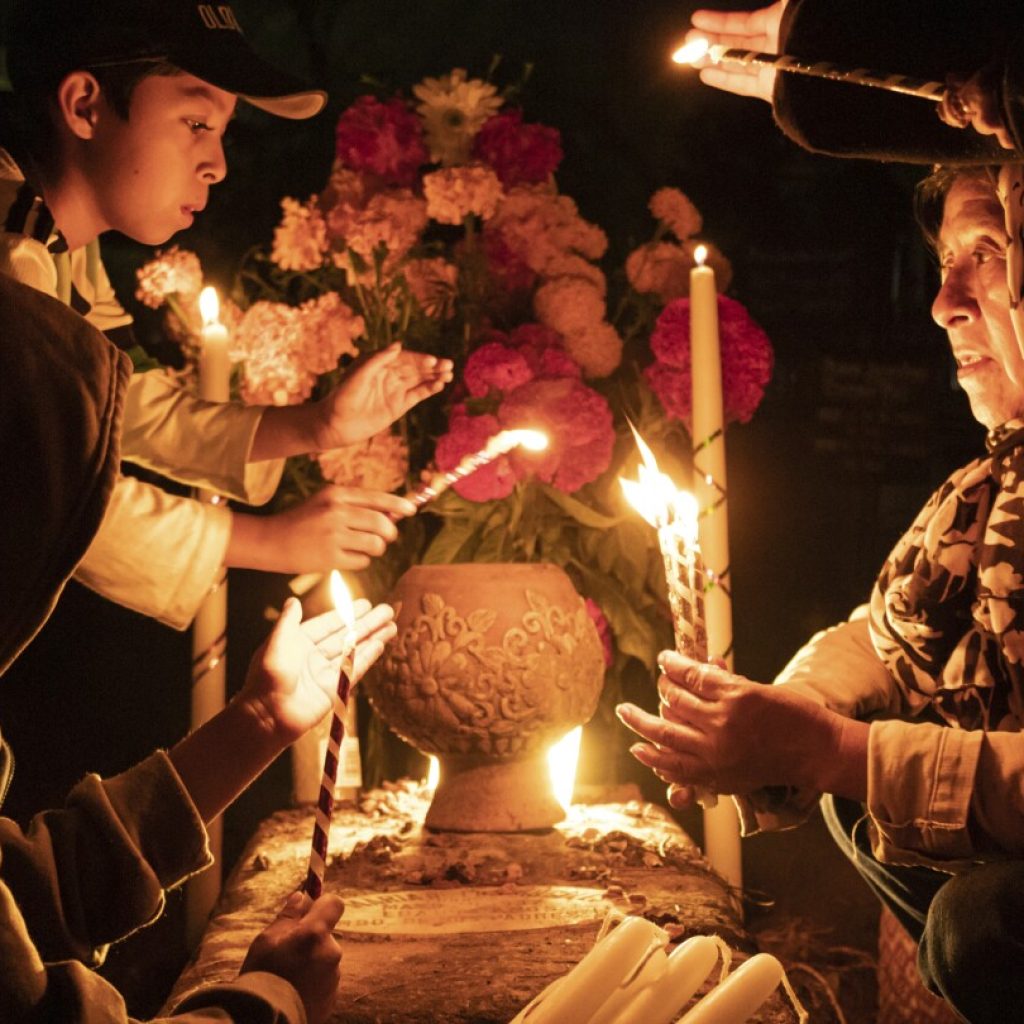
492	664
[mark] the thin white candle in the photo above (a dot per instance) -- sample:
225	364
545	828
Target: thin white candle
740	994
686	968
721	824
209	628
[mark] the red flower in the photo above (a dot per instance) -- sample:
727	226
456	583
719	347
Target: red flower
495	367
604	631
578	423
544	351
511	273
673	388
468	434
519	153
746	360
385	139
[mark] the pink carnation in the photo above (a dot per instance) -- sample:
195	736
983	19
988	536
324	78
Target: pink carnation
495	367
468	434
578	423
674	389
385	139
520	153
746	359
544	351
604	631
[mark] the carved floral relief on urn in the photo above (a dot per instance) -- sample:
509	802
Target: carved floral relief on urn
492	664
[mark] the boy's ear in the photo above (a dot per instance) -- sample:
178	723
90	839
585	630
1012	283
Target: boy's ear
78	100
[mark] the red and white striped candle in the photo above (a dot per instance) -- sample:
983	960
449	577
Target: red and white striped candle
314	883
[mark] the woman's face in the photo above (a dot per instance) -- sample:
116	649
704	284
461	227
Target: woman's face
973	302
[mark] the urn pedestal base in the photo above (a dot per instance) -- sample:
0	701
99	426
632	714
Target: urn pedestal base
477	794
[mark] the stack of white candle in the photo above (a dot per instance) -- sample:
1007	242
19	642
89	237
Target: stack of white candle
630	977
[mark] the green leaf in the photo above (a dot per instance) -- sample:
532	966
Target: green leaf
583	514
142	361
454	543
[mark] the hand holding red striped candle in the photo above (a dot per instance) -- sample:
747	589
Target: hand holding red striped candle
314	883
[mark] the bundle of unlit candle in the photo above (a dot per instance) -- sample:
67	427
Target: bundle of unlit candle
631	977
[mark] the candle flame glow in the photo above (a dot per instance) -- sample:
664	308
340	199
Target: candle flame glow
562	760
700	254
691	52
343	601
209	305
501	444
656	498
433	773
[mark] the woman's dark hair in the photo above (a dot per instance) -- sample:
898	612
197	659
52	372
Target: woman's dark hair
29	112
930	195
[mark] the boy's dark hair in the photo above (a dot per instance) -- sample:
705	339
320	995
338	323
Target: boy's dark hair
931	192
31	111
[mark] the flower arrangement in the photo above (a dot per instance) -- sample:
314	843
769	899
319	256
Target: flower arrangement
441	225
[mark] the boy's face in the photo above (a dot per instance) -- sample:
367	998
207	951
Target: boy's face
150	174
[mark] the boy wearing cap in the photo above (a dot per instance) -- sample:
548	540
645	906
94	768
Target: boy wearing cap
118	125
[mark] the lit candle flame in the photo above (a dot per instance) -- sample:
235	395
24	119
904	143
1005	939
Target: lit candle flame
209	305
343	602
691	52
433	773
501	444
562	760
700	254
655	496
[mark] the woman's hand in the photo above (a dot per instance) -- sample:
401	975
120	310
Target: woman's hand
293	677
299	946
974	103
375	392
724	732
748	30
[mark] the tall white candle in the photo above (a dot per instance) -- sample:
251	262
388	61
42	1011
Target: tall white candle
721	824
209	628
740	994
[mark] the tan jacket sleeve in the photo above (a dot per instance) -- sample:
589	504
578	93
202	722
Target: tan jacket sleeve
944	797
203	444
838	669
92	873
156	553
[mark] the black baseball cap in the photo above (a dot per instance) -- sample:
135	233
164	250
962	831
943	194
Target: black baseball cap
50	38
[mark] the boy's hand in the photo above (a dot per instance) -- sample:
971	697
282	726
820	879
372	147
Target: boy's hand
293	677
376	392
339	527
299	947
748	30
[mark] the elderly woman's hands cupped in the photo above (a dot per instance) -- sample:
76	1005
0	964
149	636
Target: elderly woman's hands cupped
722	732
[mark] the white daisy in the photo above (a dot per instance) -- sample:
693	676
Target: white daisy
453	109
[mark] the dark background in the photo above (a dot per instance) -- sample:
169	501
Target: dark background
861	420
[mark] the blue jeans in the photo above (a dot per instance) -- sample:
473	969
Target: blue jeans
969	927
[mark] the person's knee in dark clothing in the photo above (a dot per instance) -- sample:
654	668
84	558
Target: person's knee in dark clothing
972	949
